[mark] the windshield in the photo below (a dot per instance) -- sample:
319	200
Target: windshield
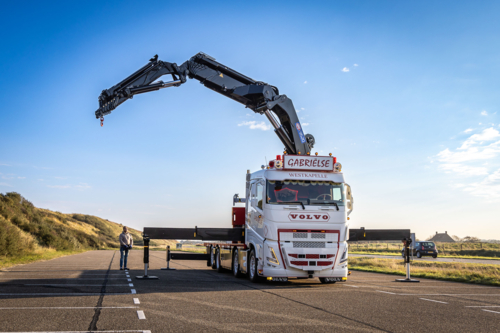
305	191
427	244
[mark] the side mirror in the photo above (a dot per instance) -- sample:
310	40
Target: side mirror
349	198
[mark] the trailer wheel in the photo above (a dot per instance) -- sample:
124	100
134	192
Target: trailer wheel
326	280
212	258
217	260
236	265
252	268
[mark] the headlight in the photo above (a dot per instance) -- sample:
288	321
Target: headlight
274	259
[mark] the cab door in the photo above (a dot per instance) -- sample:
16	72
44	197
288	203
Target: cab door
256	206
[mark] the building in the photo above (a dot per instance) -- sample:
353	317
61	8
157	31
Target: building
442	238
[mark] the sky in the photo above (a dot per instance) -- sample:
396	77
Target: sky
403	93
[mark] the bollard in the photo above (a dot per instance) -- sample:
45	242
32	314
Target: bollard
146	261
407	243
168	261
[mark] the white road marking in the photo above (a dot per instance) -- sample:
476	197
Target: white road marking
448	294
126	331
129	280
74	285
491	311
431	300
133	291
61	294
136	301
386	292
130	284
141	315
350	285
483	306
70	308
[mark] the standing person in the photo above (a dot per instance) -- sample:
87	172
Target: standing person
126	243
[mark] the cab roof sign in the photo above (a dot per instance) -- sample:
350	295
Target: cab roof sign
311	163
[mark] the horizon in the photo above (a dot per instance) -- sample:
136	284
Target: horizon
405	95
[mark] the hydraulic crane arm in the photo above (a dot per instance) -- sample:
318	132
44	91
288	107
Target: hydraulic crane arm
258	96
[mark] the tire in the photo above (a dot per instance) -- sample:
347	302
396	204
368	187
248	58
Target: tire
419	255
236	265
252	268
218	265
434	256
212	258
326	280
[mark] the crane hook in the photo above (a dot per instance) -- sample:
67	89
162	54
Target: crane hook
102	121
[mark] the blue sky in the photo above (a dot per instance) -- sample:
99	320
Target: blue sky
405	94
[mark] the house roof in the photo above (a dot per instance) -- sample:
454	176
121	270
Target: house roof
442	238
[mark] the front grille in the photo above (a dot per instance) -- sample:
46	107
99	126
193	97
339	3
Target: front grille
316	235
315	245
324	263
299	263
312	256
300	235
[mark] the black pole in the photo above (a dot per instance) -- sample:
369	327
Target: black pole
168	261
146	260
407	243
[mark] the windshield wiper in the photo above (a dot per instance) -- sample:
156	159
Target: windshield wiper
295	202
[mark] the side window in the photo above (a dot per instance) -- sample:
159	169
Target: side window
336	194
260	196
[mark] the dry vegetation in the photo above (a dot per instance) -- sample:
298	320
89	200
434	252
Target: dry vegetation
454	250
28	233
451	271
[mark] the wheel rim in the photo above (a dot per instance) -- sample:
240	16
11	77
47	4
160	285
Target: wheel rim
235	263
252	266
217	260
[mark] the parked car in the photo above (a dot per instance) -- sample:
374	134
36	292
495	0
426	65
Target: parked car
421	249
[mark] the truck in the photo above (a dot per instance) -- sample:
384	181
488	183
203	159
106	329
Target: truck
295	222
295	218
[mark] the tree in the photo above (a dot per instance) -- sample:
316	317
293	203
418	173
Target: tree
456	238
470	239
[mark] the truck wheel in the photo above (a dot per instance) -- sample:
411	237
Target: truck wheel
212	258
217	261
236	264
252	267
326	280
419	255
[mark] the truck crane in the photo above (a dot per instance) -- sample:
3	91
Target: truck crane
258	96
295	219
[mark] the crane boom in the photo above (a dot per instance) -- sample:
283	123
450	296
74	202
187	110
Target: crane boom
258	96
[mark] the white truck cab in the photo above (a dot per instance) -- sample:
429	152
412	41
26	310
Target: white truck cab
296	221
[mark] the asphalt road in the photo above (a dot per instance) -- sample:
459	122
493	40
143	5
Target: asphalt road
86	292
470	261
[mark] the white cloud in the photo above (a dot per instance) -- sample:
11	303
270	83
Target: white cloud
488	134
21	177
83	186
305	124
305	82
256	125
476	157
355	65
59	186
345	69
484	113
3	164
5	184
488	188
468	130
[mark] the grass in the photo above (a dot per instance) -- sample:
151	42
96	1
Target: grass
28	233
446	250
449	271
41	255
